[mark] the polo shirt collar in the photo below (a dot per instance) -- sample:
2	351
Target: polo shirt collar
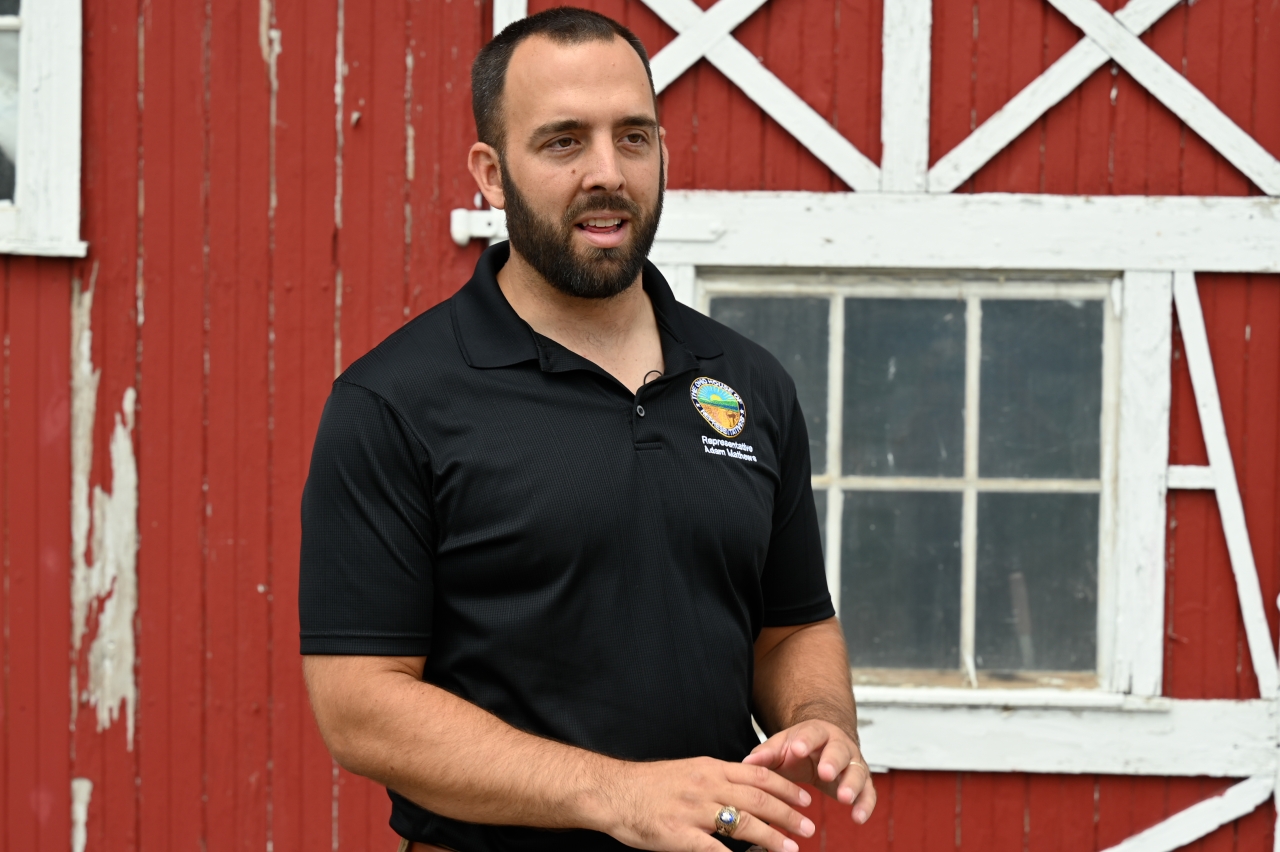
491	334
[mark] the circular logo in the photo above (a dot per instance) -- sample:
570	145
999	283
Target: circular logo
719	405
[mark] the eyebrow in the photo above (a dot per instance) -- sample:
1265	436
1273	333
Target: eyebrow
565	125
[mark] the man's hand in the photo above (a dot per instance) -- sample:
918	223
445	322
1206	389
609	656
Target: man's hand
671	805
820	753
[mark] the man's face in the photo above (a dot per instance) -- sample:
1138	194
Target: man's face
582	169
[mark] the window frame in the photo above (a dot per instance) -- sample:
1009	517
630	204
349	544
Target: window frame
44	216
973	288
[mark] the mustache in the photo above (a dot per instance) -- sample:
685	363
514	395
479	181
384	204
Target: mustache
602	202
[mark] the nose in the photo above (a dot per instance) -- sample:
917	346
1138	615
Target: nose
603	169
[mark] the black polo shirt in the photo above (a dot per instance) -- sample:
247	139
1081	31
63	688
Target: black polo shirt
589	564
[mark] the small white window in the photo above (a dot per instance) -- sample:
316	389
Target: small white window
960	431
40	81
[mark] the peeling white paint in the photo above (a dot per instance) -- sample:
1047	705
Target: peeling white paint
107	527
84	401
81	792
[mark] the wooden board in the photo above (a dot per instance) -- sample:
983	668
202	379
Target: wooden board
218	244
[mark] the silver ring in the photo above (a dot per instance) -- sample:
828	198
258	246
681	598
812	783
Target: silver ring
727	820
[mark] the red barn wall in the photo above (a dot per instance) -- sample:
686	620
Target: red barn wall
247	239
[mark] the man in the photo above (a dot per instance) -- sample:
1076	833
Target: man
559	542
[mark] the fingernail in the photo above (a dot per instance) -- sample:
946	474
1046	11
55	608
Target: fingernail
790	845
805	799
807	828
860	815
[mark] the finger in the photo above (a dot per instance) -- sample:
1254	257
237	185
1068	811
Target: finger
754	830
770	782
807	738
851	782
769	753
772	810
834	759
865	804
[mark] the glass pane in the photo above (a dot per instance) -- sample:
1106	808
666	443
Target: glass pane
1037	601
900	579
1041	405
795	332
9	7
904	387
820	503
8	109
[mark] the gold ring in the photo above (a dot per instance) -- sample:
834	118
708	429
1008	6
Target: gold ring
727	819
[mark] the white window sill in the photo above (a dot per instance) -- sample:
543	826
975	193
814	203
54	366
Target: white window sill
1068	699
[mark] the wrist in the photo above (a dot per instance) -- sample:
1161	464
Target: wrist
604	788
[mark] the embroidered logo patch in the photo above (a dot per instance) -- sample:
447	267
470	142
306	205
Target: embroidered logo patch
719	405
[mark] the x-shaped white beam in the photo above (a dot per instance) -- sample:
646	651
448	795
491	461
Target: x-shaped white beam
1108	37
709	34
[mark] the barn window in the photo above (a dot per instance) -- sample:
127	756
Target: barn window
959	431
40	66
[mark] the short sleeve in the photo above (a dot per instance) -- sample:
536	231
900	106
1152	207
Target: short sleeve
794	584
368	532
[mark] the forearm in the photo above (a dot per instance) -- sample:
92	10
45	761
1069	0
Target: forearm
452	757
805	676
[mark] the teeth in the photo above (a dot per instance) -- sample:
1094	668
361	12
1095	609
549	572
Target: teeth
604	223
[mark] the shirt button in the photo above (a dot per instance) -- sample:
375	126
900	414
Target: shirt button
640	410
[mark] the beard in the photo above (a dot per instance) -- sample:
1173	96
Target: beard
592	273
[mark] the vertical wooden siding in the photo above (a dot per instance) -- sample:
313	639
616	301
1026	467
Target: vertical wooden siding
256	220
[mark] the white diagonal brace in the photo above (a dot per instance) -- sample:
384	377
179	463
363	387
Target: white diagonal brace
904	101
694	43
779	102
1195	341
1202	818
1175	91
507	12
1025	108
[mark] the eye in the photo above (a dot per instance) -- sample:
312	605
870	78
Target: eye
561	144
636	138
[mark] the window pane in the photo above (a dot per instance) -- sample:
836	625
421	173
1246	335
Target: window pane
904	387
1037	596
9	7
1041	389
900	579
795	332
8	109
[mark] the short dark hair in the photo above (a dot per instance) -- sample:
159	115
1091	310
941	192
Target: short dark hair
563	25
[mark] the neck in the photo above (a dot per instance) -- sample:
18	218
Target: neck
618	334
577	323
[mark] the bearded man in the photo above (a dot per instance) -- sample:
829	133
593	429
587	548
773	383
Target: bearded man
559	542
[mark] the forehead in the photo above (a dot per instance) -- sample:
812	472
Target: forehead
595	82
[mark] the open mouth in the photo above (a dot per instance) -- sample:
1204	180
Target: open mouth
602	226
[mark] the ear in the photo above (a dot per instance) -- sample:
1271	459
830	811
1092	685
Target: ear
482	162
666	156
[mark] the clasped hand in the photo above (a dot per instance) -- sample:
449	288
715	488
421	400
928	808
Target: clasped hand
671	805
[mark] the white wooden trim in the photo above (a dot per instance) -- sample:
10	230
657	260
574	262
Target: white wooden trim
904	101
772	95
1174	91
1143	456
1201	818
507	12
850	230
683	279
695	42
1188	477
1187	738
44	218
956	483
1195	341
969	504
1040	698
1025	108
1110	568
